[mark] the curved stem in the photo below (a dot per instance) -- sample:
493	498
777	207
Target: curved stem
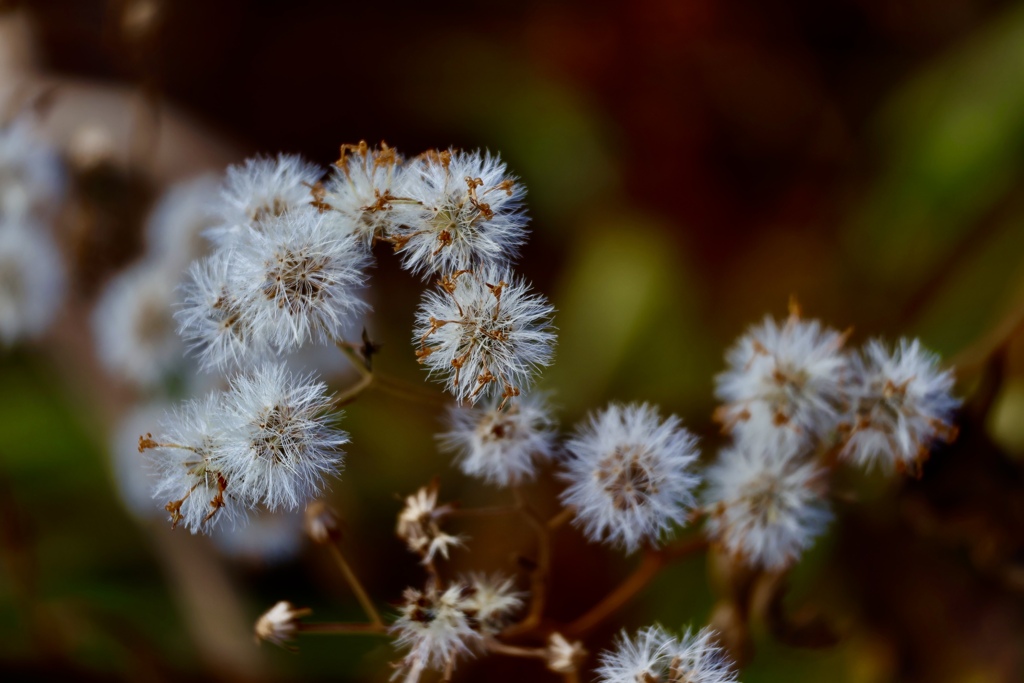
651	565
540	574
333	628
357	588
499	648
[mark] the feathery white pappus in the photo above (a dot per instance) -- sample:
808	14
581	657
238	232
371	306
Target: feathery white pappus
485	332
765	505
419	524
784	381
31	172
297	279
133	324
281	443
464	210
32	280
176	225
490	601
901	405
501	445
190	471
259	189
656	656
630	475
213	318
435	627
266	441
358	198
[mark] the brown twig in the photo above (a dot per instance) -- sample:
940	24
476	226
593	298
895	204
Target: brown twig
651	565
357	587
338	628
541	572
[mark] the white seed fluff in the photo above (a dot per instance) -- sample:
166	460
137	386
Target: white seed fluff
485	333
436	629
32	280
466	211
490	601
214	318
297	280
133	324
630	475
784	380
901	406
765	505
501	445
281	443
31	173
655	656
176	225
259	189
359	195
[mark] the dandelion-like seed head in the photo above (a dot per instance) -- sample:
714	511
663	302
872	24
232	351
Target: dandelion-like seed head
765	506
359	196
190	470
463	211
656	656
501	445
262	188
434	626
297	280
32	281
31	173
784	378
282	442
134	324
176	226
486	333
215	318
902	405
629	476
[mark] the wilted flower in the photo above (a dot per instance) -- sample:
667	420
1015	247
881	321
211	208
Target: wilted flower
280	624
562	656
435	628
630	475
419	524
490	601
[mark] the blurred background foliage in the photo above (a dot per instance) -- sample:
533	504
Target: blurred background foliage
691	164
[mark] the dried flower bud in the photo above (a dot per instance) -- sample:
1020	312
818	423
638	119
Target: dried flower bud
322	523
279	624
563	657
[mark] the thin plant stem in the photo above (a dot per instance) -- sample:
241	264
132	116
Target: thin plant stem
651	565
337	628
353	392
540	575
357	587
491	510
499	648
561	518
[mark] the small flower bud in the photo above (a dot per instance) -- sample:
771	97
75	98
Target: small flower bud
322	523
563	657
280	623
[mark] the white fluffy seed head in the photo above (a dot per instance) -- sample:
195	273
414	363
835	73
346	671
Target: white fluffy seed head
214	318
258	190
490	601
31	173
187	456
784	382
630	475
359	197
133	324
176	225
282	444
486	333
32	280
765	505
280	623
656	656
501	445
434	626
464	211
901	405
298	281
